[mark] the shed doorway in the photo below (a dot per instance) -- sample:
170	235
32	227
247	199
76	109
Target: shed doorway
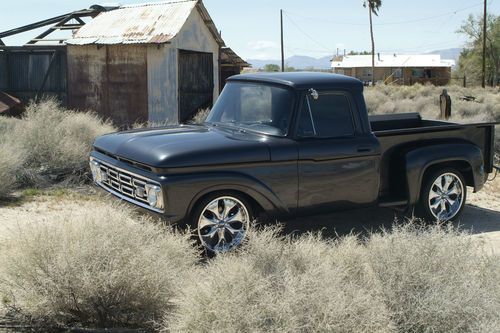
196	83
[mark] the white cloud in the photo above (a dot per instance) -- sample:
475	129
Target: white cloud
262	45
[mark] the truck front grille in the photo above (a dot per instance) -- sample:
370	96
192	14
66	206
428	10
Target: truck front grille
125	184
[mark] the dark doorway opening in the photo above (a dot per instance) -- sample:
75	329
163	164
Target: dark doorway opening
196	83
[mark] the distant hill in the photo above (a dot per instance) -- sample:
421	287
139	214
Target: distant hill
453	53
297	62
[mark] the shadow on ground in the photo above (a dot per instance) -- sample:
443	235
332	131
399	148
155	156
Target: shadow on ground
362	221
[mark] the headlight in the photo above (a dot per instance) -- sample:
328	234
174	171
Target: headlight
155	196
96	171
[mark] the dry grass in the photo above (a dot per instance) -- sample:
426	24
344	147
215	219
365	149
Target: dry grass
200	116
11	161
48	143
435	280
425	99
59	140
278	285
409	280
94	264
96	268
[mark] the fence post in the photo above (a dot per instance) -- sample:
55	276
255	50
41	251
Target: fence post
445	105
465	81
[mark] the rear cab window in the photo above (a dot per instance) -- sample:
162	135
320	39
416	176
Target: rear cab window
330	115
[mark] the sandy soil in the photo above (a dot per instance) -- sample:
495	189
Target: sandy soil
481	216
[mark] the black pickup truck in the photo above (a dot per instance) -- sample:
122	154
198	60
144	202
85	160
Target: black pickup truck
292	144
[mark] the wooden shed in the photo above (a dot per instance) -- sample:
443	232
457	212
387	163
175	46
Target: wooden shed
156	62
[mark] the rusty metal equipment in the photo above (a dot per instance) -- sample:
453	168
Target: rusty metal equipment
10	105
69	21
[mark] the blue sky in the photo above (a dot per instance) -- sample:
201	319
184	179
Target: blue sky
313	27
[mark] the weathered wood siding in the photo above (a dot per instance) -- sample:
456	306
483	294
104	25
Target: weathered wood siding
163	68
110	80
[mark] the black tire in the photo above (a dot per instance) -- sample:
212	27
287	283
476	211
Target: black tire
423	208
243	206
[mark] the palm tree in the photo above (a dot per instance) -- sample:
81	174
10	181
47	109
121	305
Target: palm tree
373	8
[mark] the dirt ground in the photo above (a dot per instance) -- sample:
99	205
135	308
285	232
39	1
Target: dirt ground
481	216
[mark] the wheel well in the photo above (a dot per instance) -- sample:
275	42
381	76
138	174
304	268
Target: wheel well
462	166
256	207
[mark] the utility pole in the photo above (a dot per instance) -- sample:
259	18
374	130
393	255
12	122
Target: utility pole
485	19
282	43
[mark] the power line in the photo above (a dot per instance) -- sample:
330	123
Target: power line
306	34
388	23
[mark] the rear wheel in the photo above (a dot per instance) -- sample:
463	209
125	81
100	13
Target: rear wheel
222	221
442	195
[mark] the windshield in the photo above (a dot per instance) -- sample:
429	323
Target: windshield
256	107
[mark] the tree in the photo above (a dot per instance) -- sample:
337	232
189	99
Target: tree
272	68
469	63
373	8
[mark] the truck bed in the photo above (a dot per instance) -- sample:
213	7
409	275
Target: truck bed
397	132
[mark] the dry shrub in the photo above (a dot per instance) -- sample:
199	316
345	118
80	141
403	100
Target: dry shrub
283	285
200	116
11	161
435	279
413	279
425	99
12	158
58	142
93	268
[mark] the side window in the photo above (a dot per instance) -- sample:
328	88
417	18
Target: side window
328	116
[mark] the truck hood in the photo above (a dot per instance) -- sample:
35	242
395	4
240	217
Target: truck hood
185	146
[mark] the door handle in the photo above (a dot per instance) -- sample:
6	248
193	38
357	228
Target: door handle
365	149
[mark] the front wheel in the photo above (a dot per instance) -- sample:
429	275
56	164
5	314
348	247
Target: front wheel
222	222
442	195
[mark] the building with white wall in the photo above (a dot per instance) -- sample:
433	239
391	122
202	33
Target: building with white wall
155	62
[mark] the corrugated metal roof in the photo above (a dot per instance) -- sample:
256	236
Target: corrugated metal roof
155	23
394	60
228	56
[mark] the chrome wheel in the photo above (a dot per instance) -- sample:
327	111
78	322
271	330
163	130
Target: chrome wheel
223	224
446	196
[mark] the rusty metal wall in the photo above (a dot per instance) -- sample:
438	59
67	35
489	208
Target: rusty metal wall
3	71
23	69
110	80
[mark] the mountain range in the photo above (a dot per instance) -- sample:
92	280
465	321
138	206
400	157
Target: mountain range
304	62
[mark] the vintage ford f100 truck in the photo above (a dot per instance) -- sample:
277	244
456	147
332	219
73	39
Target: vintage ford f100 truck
288	144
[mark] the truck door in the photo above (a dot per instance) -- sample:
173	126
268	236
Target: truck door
338	163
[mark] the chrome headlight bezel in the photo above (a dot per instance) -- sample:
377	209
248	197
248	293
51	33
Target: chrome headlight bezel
155	196
95	170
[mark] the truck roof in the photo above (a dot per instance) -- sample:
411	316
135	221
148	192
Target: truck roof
302	80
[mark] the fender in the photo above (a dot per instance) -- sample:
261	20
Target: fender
419	160
187	191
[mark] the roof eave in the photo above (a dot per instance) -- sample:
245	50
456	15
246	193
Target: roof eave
202	10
